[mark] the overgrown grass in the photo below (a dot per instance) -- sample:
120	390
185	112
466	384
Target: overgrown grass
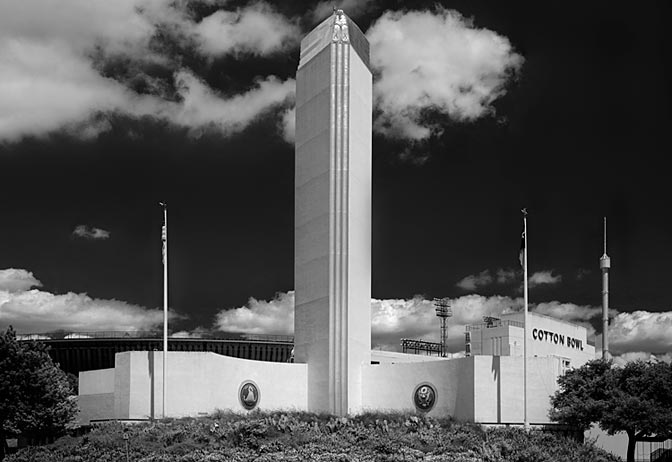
299	436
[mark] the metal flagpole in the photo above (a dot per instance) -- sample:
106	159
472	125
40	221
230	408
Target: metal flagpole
164	239
526	423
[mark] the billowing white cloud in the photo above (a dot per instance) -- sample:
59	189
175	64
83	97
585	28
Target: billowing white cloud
435	61
33	311
201	108
288	124
254	29
394	319
570	311
17	280
48	86
37	311
391	319
90	232
260	317
544	278
474	281
50	79
641	331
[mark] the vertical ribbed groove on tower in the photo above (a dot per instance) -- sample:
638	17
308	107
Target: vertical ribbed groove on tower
339	230
346	219
332	236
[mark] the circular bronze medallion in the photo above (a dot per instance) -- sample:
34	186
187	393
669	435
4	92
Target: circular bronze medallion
248	394
424	397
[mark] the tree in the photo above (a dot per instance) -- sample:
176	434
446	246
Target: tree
635	399
35	394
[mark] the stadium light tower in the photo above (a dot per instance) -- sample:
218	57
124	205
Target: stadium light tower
443	311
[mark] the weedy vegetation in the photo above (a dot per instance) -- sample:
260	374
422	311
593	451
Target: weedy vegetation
301	436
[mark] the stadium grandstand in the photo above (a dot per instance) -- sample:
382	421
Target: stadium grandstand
84	351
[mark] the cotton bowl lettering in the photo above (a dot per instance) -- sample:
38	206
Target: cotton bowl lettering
552	337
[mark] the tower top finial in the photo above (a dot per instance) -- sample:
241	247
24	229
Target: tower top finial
605	261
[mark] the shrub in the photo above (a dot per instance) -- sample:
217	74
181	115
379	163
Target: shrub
285	436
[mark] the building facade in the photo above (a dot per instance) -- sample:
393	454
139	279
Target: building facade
548	337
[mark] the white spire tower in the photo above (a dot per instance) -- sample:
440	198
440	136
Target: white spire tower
332	264
605	264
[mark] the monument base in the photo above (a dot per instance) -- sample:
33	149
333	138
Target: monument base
486	389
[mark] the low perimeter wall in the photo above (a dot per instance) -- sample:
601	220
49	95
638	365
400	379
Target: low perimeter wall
197	383
486	389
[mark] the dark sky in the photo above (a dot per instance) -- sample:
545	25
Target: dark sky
581	133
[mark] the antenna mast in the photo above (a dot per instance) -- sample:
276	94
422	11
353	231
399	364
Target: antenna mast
605	264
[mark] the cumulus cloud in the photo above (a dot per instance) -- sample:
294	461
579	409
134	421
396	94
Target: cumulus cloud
255	29
570	311
474	281
52	77
641	331
436	61
394	319
38	311
17	280
202	108
288	124
90	232
391	319
260	317
544	278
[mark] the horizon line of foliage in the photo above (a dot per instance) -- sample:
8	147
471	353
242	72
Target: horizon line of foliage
635	398
36	396
279	436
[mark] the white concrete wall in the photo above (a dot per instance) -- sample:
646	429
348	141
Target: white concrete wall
198	383
96	395
390	387
499	388
486	389
202	382
96	382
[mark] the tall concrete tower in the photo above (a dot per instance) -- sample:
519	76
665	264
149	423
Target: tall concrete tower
605	264
332	268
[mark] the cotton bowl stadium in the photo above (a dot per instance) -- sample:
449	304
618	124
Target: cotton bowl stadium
84	351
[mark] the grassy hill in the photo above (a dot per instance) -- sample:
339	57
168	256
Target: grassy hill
278	437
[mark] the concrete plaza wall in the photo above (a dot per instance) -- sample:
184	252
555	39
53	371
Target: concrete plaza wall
390	387
198	383
96	395
486	389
